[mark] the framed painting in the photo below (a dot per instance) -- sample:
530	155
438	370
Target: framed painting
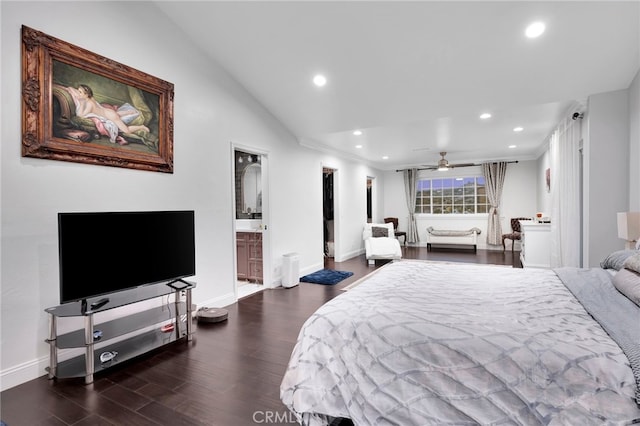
547	179
79	106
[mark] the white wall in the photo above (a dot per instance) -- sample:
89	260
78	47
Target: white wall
518	199
211	112
606	171
634	144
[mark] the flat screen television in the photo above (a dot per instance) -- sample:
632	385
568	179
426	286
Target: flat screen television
106	252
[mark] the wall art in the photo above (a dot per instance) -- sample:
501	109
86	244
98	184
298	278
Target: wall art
82	107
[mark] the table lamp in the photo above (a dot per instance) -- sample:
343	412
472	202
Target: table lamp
629	228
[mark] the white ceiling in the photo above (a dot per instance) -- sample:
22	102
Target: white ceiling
414	76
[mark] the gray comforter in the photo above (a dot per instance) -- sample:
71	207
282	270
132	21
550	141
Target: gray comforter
617	314
423	343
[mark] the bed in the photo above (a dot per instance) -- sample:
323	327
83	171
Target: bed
453	236
433	343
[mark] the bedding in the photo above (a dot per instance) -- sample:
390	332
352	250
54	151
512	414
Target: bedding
632	262
628	283
422	343
616	259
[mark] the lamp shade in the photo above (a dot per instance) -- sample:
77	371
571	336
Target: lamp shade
629	226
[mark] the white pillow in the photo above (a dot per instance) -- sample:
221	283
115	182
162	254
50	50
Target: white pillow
628	283
632	263
616	259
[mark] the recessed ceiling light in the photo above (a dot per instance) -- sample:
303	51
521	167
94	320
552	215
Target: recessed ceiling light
357	132
319	80
535	29
358	146
386	157
518	129
511	146
485	115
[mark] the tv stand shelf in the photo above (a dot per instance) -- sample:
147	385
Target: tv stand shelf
148	322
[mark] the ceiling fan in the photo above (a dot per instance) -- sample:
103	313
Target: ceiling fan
443	164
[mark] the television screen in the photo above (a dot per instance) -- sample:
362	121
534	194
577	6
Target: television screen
103	253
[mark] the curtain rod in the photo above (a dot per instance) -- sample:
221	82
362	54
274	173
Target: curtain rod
470	165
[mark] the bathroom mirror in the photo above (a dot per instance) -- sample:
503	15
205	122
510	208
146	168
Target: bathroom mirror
252	190
248	186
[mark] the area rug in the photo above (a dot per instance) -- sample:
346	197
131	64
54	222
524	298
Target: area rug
326	276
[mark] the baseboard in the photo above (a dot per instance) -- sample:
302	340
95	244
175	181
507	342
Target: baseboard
311	269
218	302
23	373
350	255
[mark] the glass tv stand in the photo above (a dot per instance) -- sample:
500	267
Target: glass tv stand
109	342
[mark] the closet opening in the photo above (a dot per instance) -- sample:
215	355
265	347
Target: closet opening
328	211
369	199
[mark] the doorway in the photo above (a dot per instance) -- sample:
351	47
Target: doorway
328	207
369	199
251	238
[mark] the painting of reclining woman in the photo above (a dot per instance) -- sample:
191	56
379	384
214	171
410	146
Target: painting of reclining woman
81	107
94	109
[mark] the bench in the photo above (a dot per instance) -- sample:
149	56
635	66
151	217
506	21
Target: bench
440	236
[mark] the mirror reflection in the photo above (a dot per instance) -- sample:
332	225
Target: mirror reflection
252	189
248	172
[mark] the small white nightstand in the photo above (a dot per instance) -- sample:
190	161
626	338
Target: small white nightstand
535	244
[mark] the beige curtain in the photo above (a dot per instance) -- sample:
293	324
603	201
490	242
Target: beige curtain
494	174
410	182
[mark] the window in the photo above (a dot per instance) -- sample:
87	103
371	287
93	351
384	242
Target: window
462	195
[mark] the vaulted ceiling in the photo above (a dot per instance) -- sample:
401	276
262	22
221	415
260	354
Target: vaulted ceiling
415	76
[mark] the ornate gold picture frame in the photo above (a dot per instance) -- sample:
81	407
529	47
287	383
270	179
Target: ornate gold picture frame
79	106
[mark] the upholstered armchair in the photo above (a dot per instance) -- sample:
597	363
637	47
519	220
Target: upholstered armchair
380	242
516	233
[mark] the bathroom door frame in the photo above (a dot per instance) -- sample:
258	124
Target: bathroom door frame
267	280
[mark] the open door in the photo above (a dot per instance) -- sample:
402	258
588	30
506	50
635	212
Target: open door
252	242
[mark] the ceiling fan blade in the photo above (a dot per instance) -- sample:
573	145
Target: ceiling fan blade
444	164
453	166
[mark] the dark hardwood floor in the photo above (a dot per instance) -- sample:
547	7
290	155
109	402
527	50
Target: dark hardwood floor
228	375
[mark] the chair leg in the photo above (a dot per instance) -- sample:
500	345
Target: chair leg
503	246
